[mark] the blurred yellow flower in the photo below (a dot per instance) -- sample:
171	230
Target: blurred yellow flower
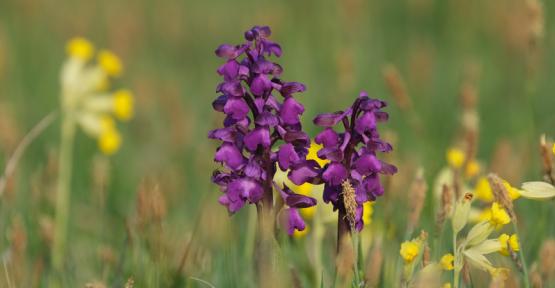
110	63
409	250
455	157
553	149
301	234
472	169
84	99
483	190
367	211
446	285
447	261
499	216
80	48
313	154
123	104
507	241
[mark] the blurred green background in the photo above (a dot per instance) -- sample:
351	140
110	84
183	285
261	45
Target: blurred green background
335	47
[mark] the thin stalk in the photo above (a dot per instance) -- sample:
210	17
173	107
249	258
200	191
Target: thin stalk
456	255
63	192
522	260
355	237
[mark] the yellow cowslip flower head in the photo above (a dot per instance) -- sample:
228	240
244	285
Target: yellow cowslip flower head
301	234
553	148
313	154
446	285
85	95
123	104
409	250
447	261
109	141
455	157
507	241
483	190
110	63
367	211
80	48
472	169
499	216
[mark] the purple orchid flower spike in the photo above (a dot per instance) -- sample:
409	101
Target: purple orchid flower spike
260	112
352	176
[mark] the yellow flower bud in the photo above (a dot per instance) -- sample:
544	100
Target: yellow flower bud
80	48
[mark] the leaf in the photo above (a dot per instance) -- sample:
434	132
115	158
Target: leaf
537	190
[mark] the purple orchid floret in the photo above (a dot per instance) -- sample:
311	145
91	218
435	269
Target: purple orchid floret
352	153
262	129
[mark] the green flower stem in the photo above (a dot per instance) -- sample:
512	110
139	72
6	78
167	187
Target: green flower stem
522	260
457	269
63	192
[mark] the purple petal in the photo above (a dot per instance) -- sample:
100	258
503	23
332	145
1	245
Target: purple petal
229	70
260	85
246	188
296	137
367	164
253	170
287	156
328	138
259	136
230	155
329	119
331	153
226	51
232	88
334	174
303	172
296	200
237	108
263	66
292	87
290	111
372	104
219	103
331	193
365	123
233	205
227	134
295	222
267	119
388	169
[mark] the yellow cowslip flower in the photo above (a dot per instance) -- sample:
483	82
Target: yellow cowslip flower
483	190
367	211
472	169
85	97
507	241
409	250
447	261
109	141
301	234
313	154
80	48
446	285
553	148
123	104
455	157
110	63
499	216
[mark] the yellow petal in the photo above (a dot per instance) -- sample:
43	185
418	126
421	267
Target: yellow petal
80	48
109	141
110	63
455	157
123	105
447	261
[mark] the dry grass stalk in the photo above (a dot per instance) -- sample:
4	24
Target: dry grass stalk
547	161
445	209
547	259
501	195
417	194
426	256
396	86
151	204
130	283
374	267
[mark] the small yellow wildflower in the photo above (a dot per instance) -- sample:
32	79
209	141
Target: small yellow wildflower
109	141
123	104
367	211
472	168
446	285
553	149
508	241
483	190
455	157
499	216
110	63
313	154
80	48
301	234
409	251
447	261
